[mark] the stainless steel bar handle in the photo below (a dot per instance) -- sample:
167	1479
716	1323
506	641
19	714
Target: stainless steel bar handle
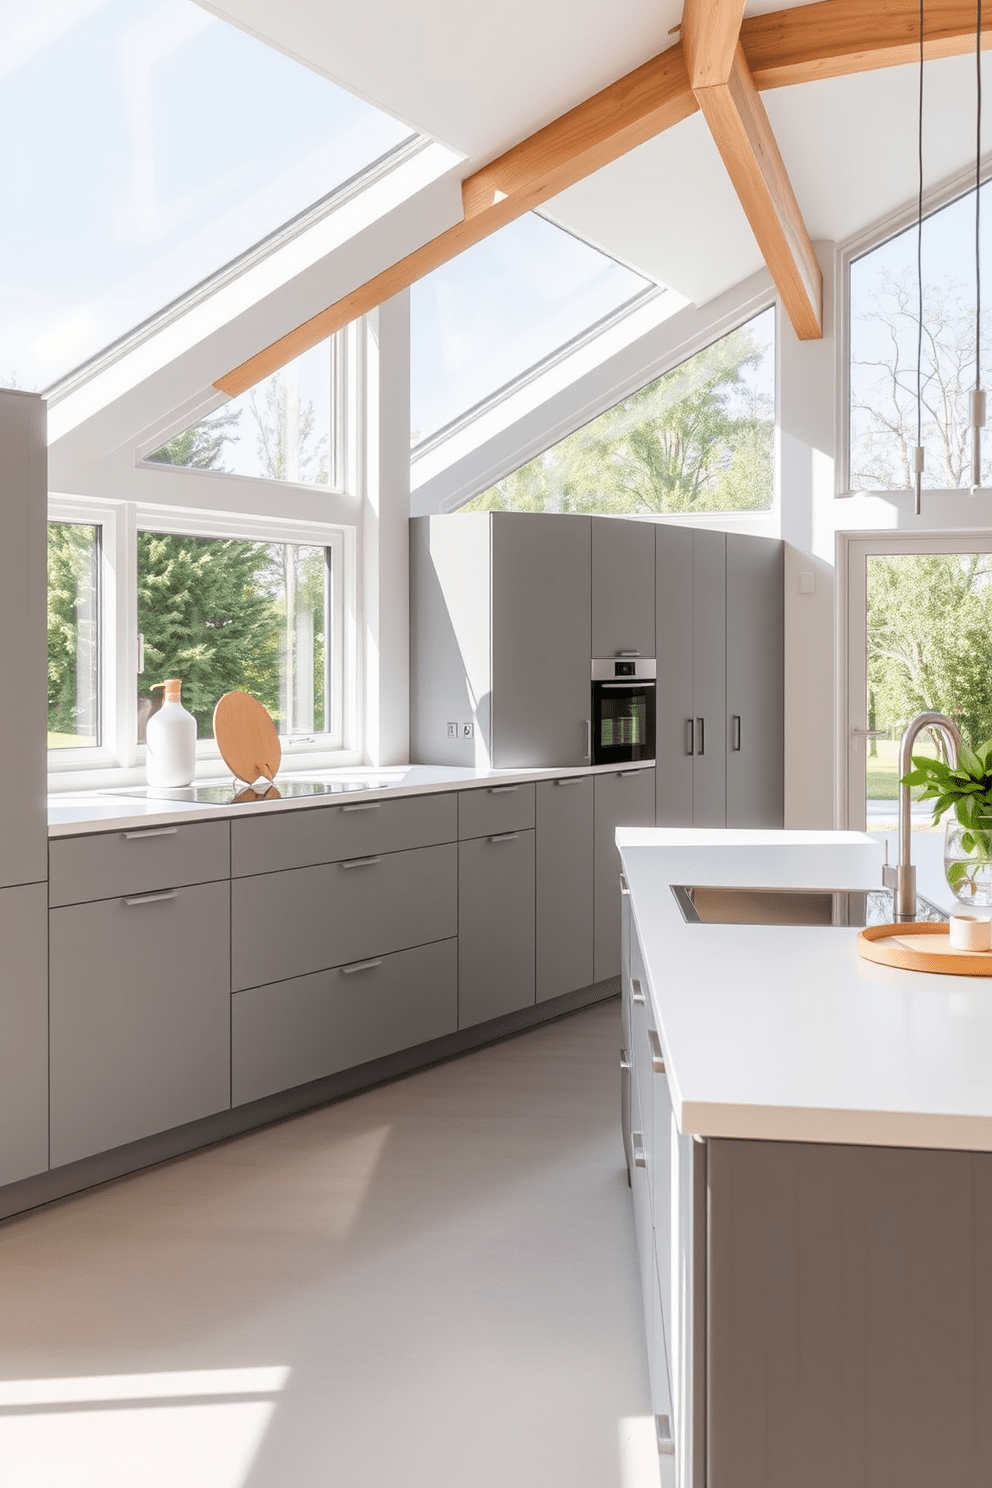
624	1060
502	790
363	806
624	890
690	736
663	1433
151	832
640	1156
735	732
702	736
505	837
571	780
624	773
636	992
588	753
150	898
361	966
628	653
657	1058
359	862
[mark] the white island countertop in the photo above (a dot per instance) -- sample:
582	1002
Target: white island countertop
782	1032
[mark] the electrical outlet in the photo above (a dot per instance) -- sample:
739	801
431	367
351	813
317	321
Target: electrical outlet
452	731
468	730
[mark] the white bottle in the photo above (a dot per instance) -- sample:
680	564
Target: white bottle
170	737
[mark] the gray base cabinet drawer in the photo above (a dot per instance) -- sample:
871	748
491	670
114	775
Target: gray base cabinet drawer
297	839
495	926
287	1034
140	1017
309	919
495	808
623	799
137	860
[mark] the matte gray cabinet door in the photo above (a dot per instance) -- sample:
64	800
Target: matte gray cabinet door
23	1032
675	724
624	798
755	672
709	679
564	885
308	919
540	640
623	581
140	1017
295	1031
495	926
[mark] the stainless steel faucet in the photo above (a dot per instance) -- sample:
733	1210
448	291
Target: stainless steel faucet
903	877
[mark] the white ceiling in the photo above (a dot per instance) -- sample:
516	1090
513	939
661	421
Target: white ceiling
480	77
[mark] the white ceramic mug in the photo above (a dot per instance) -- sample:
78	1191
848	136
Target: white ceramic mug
971	932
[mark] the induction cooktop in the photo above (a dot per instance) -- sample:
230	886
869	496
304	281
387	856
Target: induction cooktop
235	793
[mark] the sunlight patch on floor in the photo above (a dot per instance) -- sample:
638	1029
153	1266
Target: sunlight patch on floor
201	1428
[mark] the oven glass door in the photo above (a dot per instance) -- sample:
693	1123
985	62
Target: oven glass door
623	722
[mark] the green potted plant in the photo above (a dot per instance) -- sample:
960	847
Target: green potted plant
964	789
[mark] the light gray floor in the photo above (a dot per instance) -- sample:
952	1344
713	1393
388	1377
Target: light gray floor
430	1283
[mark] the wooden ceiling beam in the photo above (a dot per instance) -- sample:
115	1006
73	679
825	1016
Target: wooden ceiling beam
826	39
725	91
835	37
629	112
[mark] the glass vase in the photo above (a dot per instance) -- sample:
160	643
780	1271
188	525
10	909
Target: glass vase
968	863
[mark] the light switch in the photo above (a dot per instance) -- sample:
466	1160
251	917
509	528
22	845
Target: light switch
807	582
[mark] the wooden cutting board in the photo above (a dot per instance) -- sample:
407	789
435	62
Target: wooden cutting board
921	946
246	737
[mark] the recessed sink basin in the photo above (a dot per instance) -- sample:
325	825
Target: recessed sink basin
706	904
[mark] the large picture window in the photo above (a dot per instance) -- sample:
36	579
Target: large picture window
883	307
73	635
699	439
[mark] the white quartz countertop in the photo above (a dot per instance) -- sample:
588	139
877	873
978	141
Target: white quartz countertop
73	813
782	1032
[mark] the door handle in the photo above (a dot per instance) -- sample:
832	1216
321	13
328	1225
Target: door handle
624	1061
690	732
151	832
150	898
735	732
657	1058
636	991
637	1142
363	806
571	780
361	966
505	837
702	736
588	753
358	863
502	790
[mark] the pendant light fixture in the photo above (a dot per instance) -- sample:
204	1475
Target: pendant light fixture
918	453
978	393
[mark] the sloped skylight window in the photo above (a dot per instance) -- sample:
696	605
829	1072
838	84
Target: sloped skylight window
501	310
148	145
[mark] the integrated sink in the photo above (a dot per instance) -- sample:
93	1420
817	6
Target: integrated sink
708	904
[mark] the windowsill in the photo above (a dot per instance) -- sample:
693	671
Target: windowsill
298	761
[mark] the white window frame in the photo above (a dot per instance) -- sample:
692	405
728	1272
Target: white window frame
119	760
856	247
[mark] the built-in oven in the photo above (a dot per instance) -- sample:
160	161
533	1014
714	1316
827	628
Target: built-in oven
623	709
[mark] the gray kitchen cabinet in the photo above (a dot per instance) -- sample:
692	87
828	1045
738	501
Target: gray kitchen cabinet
623	587
140	1016
755	681
720	727
500	639
622	798
311	1026
495	926
24	1032
490	809
708	725
565	879
308	919
23	662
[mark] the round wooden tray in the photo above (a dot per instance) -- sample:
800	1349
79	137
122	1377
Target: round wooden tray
921	946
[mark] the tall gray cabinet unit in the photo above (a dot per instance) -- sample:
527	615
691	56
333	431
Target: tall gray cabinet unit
623	564
23	825
499	639
720	625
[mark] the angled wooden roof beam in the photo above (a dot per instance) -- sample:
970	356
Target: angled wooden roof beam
725	91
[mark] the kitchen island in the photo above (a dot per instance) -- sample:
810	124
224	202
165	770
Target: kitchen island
810	1141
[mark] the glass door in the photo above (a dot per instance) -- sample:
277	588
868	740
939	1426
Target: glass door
919	640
